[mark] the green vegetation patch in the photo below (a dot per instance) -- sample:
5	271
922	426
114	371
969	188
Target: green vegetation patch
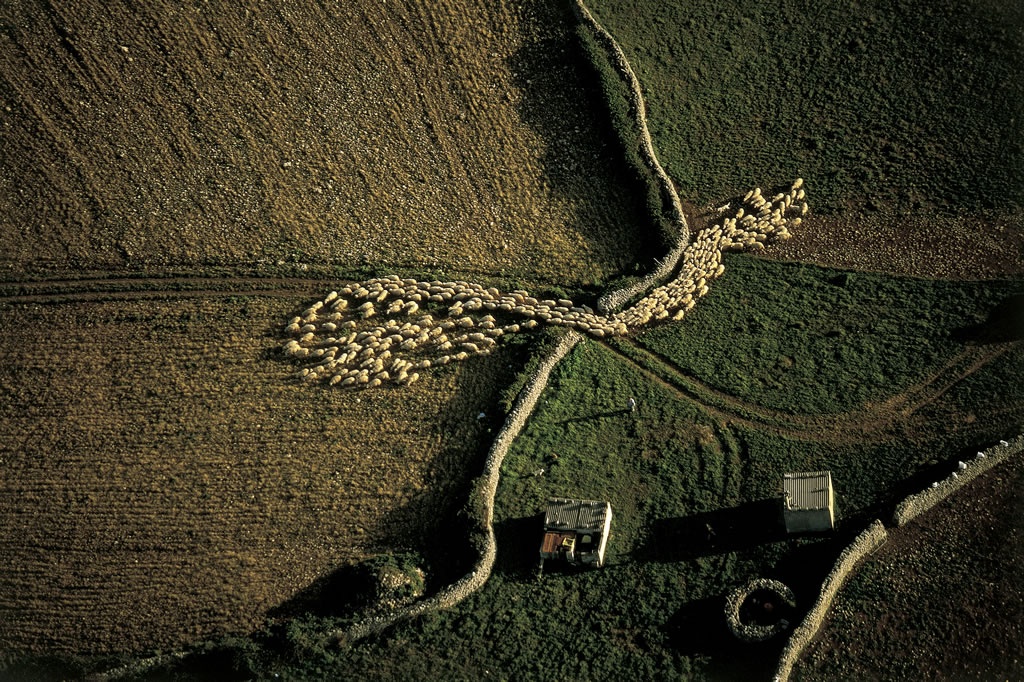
911	102
811	340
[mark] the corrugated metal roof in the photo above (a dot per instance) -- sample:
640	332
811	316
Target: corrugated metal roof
808	490
582	515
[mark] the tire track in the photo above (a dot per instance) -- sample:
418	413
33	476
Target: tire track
143	288
875	422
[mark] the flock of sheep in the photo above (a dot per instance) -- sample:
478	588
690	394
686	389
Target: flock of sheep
384	330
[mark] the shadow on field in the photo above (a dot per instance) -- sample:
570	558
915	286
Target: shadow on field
699	629
338	593
519	546
564	102
716	532
1005	323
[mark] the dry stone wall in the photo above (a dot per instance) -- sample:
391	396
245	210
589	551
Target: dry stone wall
966	471
865	543
638	106
487	488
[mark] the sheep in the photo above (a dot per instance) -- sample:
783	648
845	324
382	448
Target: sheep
292	328
798	183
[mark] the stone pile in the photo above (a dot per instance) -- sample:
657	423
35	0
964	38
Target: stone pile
388	330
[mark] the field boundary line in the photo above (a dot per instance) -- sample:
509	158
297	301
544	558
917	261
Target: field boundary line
873	537
919	503
486	489
136	288
616	299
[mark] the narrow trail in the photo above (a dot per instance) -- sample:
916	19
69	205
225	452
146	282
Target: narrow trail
873	422
144	288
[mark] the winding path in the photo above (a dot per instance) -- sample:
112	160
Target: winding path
873	422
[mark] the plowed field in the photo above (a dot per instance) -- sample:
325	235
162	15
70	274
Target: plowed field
450	133
163	480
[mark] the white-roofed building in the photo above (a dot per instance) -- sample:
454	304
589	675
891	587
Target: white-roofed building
576	531
808	501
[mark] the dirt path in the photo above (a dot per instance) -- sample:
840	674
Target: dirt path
873	422
141	288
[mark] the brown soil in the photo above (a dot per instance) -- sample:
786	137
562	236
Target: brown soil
943	599
934	246
164	480
456	133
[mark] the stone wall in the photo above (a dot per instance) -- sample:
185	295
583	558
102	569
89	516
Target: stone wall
967	471
616	299
865	543
487	488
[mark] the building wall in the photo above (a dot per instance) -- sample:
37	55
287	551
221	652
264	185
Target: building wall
802	520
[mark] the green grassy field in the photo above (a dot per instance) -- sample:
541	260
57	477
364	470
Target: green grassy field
907	103
810	340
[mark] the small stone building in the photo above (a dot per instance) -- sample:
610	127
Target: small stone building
576	531
808	502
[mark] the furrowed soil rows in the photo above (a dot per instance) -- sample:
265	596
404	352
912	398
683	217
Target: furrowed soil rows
458	132
164	482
